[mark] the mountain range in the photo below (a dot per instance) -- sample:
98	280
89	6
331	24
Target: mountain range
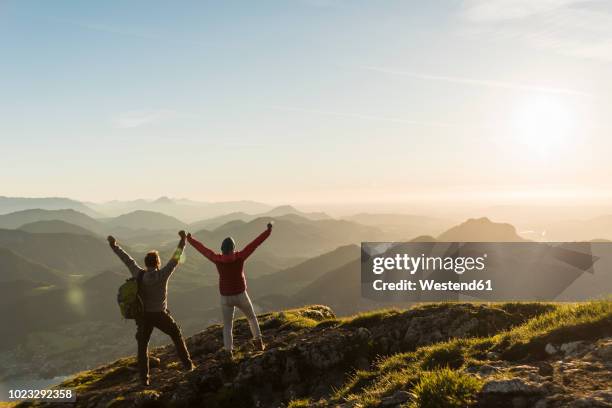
13	204
283	210
293	235
57	271
187	210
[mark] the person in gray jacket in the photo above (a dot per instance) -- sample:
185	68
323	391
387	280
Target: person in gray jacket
153	288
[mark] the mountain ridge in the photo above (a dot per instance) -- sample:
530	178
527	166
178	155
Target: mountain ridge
13	204
481	229
16	219
16	267
148	220
280	211
54	226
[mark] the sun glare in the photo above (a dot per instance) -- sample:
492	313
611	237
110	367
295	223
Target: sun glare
544	125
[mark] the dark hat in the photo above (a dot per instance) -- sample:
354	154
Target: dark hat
228	246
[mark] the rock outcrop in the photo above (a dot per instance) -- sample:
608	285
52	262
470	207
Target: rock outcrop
579	374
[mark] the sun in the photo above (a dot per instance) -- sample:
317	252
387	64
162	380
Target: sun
544	125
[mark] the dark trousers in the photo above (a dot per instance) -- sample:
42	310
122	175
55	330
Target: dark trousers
164	322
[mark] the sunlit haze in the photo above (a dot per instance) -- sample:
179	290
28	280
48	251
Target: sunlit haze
308	101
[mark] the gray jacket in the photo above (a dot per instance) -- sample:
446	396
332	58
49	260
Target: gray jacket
154	288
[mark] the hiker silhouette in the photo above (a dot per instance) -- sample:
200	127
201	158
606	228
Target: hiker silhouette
153	289
232	284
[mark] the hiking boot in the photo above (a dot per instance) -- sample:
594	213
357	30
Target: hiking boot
189	367
226	355
259	344
145	382
154	362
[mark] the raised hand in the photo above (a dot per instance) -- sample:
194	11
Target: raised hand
111	240
270	225
183	234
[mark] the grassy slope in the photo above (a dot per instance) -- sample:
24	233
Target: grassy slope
435	375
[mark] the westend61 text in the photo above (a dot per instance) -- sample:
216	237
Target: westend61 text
431	285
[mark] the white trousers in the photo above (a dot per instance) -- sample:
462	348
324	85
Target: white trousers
228	305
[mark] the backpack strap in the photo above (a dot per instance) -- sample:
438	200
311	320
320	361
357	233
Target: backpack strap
139	285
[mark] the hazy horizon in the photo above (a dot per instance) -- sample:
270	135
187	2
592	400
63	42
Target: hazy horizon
516	213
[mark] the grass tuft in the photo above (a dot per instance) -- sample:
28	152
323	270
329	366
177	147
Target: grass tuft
445	388
443	355
296	319
368	319
301	403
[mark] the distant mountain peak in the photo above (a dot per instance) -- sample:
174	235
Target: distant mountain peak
147	219
143	212
163	200
282	210
484	220
481	229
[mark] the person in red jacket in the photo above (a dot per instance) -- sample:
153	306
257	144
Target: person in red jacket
232	284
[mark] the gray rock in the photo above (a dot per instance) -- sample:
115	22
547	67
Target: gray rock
603	349
486	370
550	349
523	369
465	329
363	334
510	386
491	355
570	348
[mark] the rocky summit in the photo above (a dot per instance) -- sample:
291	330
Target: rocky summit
432	355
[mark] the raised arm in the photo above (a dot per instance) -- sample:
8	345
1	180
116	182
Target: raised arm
249	249
176	257
201	248
131	264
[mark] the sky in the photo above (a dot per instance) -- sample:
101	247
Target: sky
307	101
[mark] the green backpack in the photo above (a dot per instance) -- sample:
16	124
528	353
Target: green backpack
129	298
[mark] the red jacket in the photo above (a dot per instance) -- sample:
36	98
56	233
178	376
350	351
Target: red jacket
230	267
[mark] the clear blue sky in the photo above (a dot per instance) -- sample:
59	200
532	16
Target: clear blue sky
306	100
